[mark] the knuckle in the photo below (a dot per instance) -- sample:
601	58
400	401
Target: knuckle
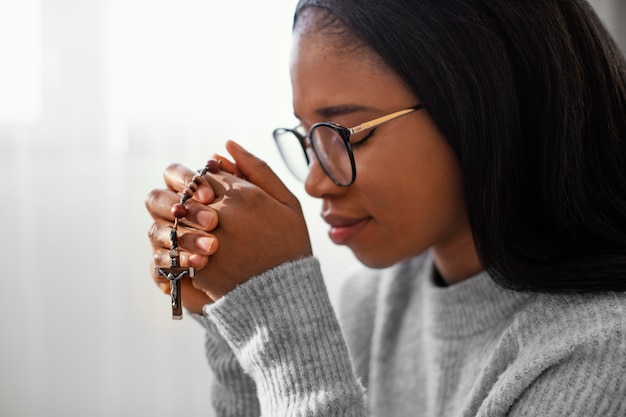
153	232
157	200
176	176
157	258
151	198
173	168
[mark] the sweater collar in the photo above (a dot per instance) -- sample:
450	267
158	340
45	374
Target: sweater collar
468	307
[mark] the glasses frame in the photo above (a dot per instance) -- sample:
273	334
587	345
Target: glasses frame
344	133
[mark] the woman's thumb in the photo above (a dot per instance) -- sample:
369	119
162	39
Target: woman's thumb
259	173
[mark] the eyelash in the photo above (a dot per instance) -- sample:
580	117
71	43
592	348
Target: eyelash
365	139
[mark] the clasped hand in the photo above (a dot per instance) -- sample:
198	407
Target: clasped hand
240	223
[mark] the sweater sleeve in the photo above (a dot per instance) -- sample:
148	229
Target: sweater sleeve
283	332
357	313
233	392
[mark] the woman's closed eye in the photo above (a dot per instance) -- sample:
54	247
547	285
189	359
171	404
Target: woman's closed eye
361	141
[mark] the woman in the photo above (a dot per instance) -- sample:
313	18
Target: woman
489	194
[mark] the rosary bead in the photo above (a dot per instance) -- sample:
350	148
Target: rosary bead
197	179
214	166
188	193
192	186
179	211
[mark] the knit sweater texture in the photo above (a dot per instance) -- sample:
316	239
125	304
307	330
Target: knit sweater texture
406	347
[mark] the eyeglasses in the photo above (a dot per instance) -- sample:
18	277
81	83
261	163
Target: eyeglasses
330	143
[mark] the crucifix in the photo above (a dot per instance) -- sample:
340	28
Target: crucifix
174	273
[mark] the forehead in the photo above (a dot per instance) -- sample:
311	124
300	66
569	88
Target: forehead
320	26
319	70
325	74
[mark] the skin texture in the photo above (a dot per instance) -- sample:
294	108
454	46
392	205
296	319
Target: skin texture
407	197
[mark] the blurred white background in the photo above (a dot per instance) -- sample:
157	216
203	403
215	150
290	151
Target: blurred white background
96	98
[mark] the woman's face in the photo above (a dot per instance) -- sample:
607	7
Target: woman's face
408	194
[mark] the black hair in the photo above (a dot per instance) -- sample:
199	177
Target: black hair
531	95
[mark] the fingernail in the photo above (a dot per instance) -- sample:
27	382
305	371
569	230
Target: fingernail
205	194
205	243
206	218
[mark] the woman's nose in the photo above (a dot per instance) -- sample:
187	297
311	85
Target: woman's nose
317	183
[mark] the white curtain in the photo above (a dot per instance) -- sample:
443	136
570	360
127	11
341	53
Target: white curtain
96	98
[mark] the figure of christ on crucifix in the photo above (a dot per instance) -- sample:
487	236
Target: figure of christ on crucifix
174	273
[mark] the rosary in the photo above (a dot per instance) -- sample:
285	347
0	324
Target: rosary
175	271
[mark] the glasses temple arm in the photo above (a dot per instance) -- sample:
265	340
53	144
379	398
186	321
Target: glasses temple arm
383	119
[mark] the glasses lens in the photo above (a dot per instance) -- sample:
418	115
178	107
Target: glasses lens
293	153
332	154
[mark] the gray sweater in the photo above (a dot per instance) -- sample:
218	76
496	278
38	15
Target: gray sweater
406	347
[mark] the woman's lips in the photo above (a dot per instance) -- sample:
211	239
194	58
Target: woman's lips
343	229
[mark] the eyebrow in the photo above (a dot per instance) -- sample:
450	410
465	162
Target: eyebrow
340	110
